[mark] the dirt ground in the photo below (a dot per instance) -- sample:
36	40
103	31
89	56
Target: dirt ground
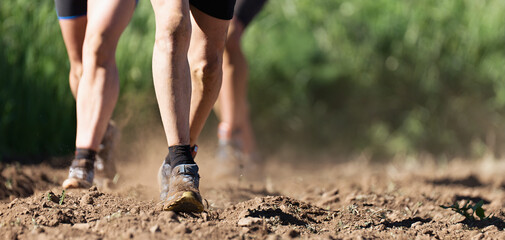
309	200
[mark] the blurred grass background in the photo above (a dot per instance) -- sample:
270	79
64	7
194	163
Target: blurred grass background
382	77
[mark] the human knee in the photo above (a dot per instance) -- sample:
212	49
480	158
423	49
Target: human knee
233	40
173	32
98	49
75	70
208	69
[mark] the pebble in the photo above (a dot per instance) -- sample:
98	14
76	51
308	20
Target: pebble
248	221
13	202
155	229
205	216
134	210
81	226
416	225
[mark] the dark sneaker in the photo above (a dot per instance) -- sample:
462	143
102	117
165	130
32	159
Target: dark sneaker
105	168
80	174
164	174
183	194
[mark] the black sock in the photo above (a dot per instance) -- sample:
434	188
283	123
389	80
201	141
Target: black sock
85	153
179	154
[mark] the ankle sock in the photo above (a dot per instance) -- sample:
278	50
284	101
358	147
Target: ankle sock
194	151
85	153
179	154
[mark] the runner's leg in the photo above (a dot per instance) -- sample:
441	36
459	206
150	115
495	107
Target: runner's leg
206	57
234	108
99	86
73	31
171	69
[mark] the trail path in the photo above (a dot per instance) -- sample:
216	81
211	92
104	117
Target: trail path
352	200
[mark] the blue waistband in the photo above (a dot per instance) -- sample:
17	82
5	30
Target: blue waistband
80	15
71	17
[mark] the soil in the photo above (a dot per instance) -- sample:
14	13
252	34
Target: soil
313	200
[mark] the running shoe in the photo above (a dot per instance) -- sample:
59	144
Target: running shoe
164	174
229	160
183	194
80	174
235	164
105	167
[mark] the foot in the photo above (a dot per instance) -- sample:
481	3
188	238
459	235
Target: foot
80	174
183	194
164	174
229	160
235	164
105	168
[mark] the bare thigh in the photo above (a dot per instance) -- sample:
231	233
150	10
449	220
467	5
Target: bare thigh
208	36
73	31
106	21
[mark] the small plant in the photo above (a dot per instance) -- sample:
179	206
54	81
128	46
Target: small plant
464	210
62	197
51	197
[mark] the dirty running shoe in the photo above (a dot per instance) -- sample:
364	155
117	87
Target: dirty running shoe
80	174
164	174
183	194
105	167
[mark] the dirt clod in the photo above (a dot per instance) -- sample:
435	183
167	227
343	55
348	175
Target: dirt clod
293	234
86	199
182	229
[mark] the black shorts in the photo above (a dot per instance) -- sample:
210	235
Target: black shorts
69	9
222	9
245	10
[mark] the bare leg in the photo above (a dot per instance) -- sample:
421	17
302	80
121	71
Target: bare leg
177	41
233	104
171	69
73	31
99	86
206	57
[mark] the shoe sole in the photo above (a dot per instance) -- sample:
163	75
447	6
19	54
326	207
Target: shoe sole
75	183
187	202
